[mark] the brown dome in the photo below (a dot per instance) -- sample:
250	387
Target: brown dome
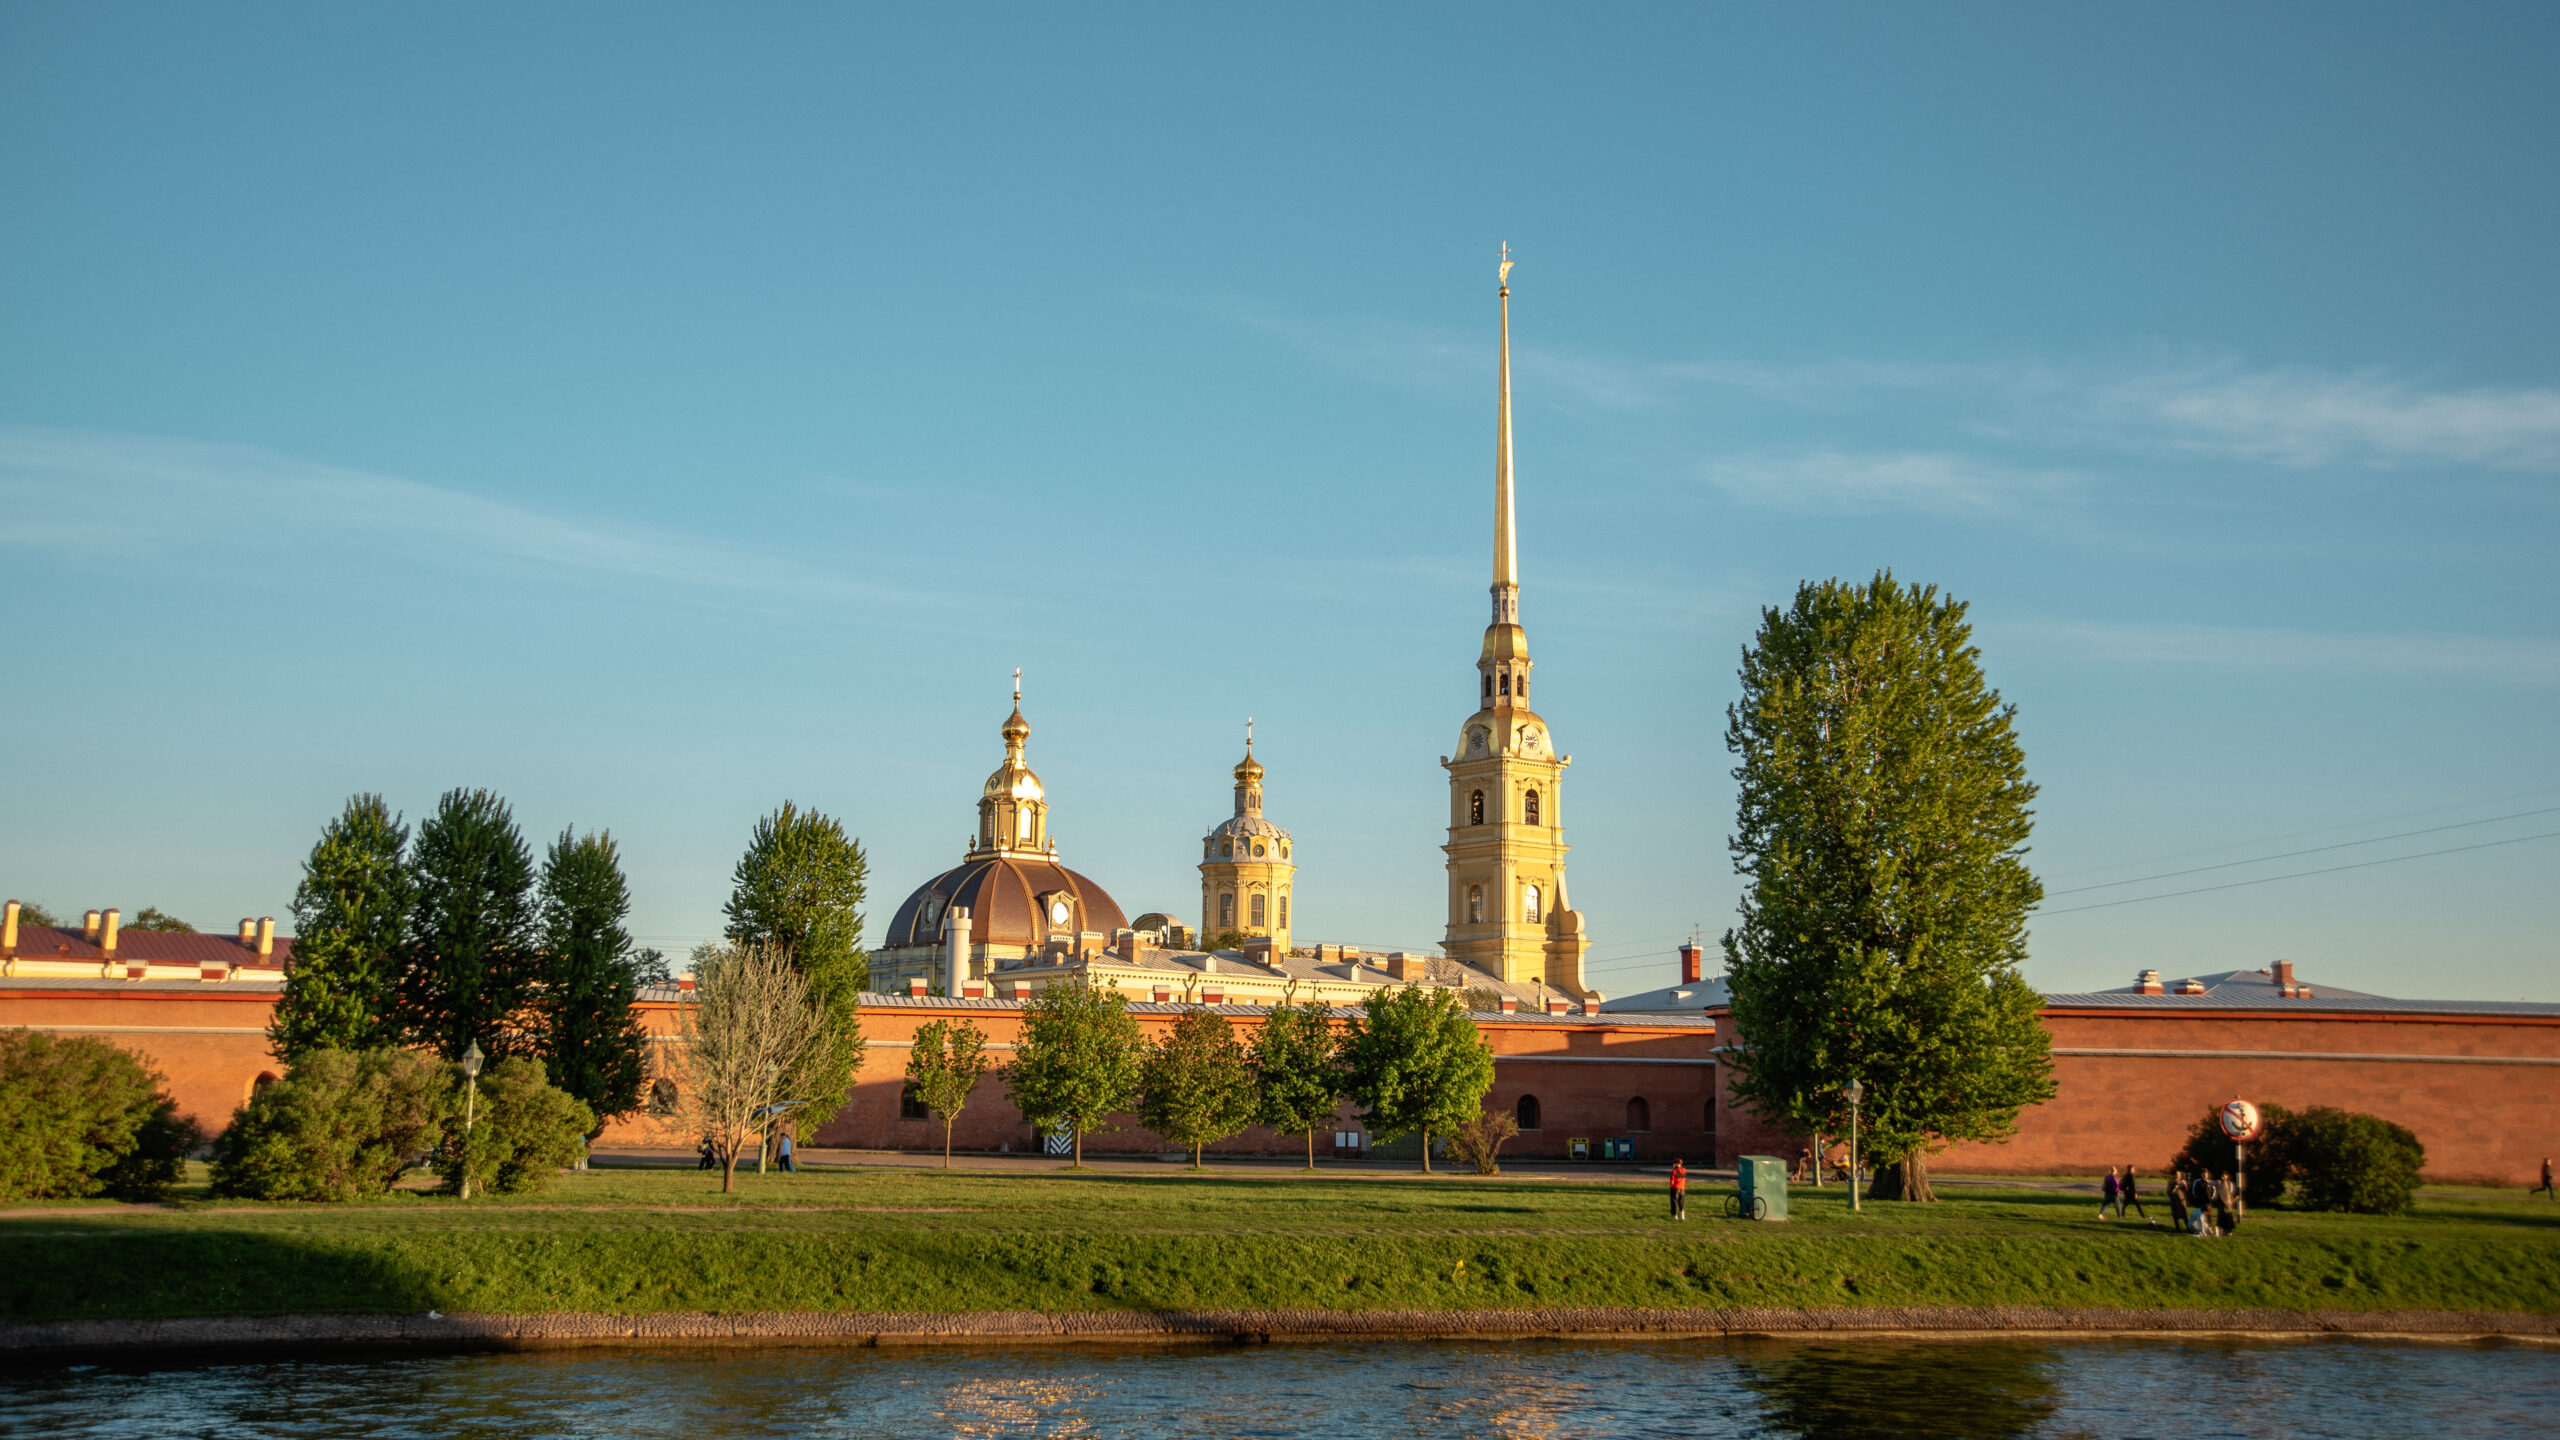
1003	893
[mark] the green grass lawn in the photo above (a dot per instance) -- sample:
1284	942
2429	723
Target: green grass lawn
634	1241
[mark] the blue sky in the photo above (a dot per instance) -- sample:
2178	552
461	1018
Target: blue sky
654	413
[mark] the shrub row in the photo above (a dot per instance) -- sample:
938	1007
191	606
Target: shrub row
2326	1158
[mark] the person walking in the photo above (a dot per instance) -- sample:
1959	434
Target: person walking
782	1154
2177	1199
2111	1193
2131	1194
1679	1190
2199	1204
2545	1187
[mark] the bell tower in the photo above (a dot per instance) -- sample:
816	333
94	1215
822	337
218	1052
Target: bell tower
1507	908
1245	870
1013	809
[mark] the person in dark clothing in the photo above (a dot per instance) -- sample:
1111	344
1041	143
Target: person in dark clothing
2225	1203
2545	1187
2200	1203
1679	1190
710	1159
2130	1194
2107	1194
2178	1200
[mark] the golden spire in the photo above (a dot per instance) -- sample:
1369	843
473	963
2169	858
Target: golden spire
1506	553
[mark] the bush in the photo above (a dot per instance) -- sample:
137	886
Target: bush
1479	1141
2358	1163
2270	1155
81	1117
524	1131
341	1125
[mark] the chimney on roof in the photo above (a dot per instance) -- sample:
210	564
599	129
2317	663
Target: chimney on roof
2284	974
248	932
107	929
2147	983
684	983
9	929
266	936
1558	1005
915	987
1510	1004
89	927
1692	964
1401	966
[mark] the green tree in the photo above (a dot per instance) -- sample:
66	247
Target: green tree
1076	1063
944	1065
799	887
2345	1160
1296	1073
349	915
81	1117
467	965
1479	1139
31	913
341	1125
523	1131
155	918
1195	1085
1415	1063
1225	940
591	1042
1883	826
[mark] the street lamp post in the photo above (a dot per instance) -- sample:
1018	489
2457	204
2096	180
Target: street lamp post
471	1059
1855	1092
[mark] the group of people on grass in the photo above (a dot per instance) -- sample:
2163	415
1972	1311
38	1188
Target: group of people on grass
2200	1204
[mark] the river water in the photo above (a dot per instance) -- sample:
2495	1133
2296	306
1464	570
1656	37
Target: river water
1899	1389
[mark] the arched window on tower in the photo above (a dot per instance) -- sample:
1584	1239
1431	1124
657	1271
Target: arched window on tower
1526	1112
1226	912
1488	684
1524	685
1639	1115
1475	904
1532	809
1529	903
1475	808
1284	910
1258	921
1506	682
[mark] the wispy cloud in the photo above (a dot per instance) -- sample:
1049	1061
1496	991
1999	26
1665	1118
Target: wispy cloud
129	493
1833	480
2221	408
2303	418
2520	660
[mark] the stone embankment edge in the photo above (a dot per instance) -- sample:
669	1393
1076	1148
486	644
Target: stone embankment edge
47	1339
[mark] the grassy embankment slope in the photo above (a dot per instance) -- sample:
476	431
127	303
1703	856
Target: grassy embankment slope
916	1241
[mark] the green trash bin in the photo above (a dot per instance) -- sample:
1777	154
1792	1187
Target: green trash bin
1762	1193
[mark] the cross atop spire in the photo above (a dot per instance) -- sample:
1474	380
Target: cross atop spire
1248	734
1017	687
1506	550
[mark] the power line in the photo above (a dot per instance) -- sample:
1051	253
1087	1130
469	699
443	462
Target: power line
2314	850
2300	874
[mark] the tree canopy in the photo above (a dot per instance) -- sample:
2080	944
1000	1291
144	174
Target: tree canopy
590	1041
1297	1075
799	888
466	970
155	918
1882	830
943	1065
1414	1062
1195	1084
350	914
1076	1062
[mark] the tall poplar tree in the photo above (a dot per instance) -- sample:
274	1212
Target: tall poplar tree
590	1040
799	889
1882	828
349	915
467	965
1414	1062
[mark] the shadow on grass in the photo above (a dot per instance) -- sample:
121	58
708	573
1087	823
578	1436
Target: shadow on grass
73	1270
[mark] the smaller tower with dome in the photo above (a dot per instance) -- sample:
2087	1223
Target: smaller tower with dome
1245	869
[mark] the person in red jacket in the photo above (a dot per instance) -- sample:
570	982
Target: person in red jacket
1679	1190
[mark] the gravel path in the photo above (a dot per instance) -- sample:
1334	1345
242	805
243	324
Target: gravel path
27	1341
